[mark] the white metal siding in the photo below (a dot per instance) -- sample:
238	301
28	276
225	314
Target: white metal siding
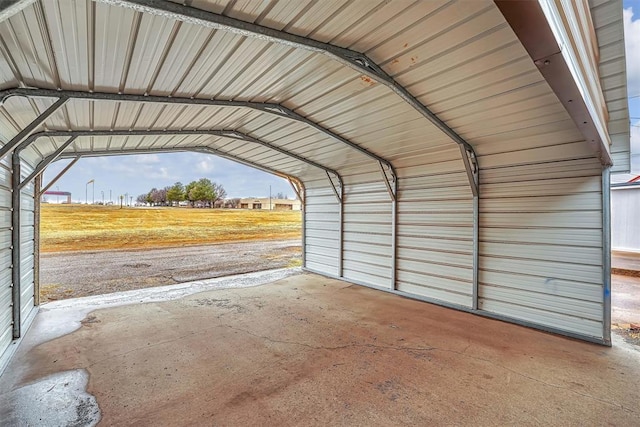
625	218
435	228
321	228
6	333
367	227
27	224
541	244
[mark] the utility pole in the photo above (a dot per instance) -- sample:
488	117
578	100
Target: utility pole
269	197
110	199
102	192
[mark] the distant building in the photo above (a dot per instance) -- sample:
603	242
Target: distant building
265	203
58	194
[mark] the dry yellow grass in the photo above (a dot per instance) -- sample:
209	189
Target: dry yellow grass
81	228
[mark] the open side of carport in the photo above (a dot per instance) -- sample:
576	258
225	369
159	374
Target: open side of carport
444	152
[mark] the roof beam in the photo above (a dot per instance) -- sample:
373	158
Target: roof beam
231	134
265	107
198	149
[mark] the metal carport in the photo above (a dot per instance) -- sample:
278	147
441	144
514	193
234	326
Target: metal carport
448	151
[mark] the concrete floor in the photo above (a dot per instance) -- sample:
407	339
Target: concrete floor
308	350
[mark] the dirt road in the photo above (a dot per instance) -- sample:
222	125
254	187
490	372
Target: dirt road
71	275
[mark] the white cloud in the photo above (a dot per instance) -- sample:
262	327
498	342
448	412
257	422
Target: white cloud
204	166
147	159
632	42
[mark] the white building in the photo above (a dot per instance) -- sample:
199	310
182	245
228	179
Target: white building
266	203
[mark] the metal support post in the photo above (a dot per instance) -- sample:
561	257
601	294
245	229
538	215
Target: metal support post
606	255
15	246
473	173
37	193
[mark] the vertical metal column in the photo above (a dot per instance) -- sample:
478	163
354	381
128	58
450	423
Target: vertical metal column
472	168
341	234
394	236
37	193
15	245
606	255
476	251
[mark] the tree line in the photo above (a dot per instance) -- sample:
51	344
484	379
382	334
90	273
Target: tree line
202	191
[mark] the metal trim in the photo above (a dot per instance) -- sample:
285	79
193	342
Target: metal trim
606	255
528	22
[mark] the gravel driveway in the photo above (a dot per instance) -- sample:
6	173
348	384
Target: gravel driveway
71	275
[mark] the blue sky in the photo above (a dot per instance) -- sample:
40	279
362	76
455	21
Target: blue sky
137	174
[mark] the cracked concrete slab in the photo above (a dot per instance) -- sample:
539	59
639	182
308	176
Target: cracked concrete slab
308	350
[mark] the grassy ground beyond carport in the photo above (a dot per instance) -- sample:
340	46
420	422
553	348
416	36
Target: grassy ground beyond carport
308	350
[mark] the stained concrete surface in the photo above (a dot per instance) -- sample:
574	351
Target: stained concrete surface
308	350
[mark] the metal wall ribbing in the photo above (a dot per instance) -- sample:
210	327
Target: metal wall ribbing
367	227
27	247
541	242
6	334
435	228
321	228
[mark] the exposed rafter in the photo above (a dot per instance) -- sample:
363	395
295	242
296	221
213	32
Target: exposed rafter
231	134
269	108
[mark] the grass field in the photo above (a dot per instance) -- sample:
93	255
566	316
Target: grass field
80	227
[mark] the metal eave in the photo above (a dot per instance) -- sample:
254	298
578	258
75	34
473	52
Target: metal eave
357	61
529	23
269	108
